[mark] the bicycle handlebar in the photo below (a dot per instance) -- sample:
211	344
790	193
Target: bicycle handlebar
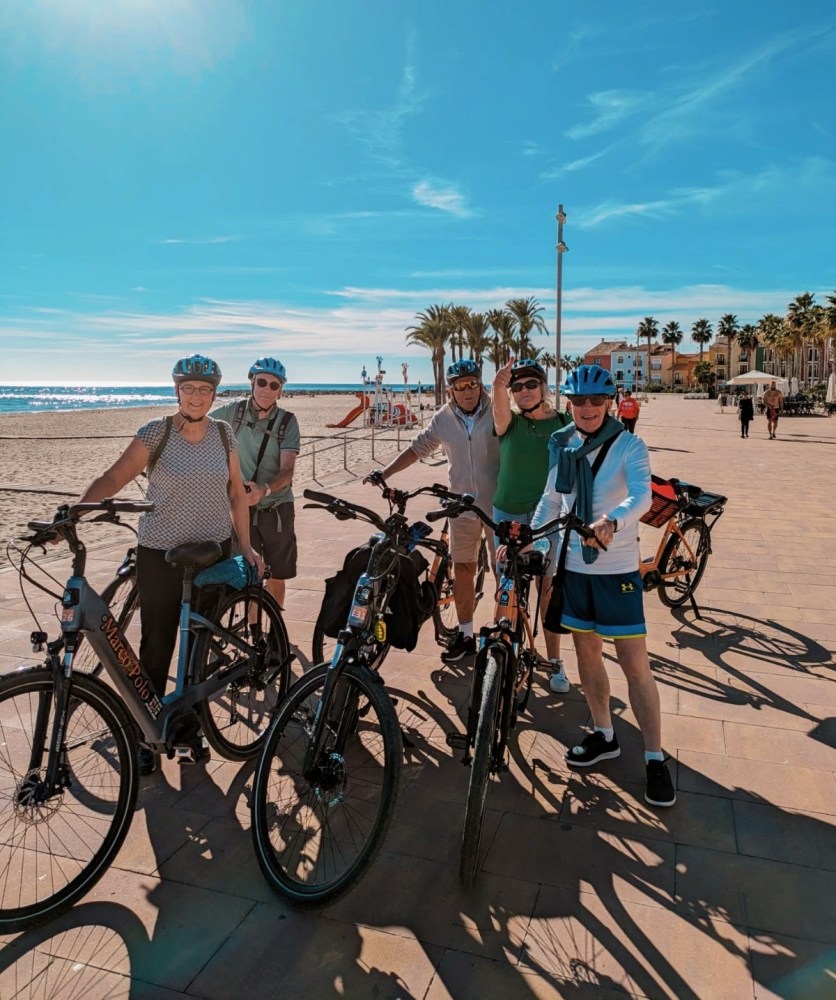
69	514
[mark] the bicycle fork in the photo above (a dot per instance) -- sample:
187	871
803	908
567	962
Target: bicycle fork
35	790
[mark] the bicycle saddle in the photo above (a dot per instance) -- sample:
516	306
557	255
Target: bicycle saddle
196	554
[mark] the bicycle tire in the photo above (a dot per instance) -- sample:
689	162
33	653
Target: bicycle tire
121	595
305	828
480	766
82	826
445	618
676	559
235	720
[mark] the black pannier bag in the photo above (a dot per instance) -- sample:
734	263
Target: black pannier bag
410	606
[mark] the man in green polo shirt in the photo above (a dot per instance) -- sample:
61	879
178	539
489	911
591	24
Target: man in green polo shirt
268	443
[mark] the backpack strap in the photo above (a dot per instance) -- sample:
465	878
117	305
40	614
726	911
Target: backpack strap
240	411
155	456
224	439
280	433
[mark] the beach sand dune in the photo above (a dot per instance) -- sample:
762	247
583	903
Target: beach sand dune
64	452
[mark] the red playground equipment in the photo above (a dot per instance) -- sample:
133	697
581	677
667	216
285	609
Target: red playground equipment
383	413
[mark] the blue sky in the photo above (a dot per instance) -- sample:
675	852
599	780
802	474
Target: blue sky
249	177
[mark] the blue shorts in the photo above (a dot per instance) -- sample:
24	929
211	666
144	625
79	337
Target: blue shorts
611	606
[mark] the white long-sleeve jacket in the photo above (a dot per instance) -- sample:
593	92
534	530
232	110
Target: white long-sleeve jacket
621	491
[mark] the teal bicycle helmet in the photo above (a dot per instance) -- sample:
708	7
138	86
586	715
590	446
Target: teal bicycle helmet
463	369
526	367
268	366
196	368
588	380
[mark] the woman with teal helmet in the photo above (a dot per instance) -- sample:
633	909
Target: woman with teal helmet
194	480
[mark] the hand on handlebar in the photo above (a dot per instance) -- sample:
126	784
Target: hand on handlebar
603	534
375	477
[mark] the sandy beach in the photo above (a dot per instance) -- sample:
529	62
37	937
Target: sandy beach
48	458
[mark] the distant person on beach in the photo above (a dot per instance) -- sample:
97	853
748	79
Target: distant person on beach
194	481
268	443
628	411
463	429
773	404
603	475
745	413
524	419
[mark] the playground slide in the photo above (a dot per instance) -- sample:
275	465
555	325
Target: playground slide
349	418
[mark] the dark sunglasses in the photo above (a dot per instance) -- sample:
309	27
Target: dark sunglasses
531	384
598	399
263	383
464	386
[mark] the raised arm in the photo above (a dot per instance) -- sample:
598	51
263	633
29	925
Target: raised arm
500	403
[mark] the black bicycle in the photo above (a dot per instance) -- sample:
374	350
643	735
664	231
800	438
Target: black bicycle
327	780
68	741
504	666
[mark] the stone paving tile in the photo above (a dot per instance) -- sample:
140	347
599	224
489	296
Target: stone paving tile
801	838
799	749
790	968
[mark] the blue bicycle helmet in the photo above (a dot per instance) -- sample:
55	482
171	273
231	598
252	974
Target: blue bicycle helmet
526	367
196	368
268	366
588	380
463	369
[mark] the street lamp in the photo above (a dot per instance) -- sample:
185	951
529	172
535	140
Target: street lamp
561	250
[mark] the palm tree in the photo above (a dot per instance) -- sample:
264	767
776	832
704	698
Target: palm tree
649	327
800	323
827	331
458	320
548	360
771	334
701	334
527	317
727	328
432	332
476	328
502	324
703	375
747	340
672	336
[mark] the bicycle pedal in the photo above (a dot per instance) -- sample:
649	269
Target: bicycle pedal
457	741
188	755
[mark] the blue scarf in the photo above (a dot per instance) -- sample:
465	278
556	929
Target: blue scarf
574	471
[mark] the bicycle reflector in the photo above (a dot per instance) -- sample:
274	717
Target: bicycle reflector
380	630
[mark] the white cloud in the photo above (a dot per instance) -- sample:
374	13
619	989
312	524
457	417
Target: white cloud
443	196
611	107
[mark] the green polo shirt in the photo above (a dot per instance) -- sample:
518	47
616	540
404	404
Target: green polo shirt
250	434
524	462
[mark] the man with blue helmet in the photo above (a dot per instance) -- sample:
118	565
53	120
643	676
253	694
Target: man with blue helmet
463	429
268	439
603	475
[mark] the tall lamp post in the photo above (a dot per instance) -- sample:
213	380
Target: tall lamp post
561	250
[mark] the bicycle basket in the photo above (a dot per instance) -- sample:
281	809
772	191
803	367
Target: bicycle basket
664	504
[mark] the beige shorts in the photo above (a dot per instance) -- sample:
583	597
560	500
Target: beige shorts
465	534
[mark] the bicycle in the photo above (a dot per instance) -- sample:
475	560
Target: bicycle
327	780
504	666
439	574
68	741
682	553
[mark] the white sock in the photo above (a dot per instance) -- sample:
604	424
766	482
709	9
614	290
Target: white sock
606	733
466	628
650	755
557	664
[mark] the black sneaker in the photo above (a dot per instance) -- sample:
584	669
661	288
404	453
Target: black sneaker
461	646
659	790
147	760
592	749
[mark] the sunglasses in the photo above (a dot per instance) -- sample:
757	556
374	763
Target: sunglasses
531	384
465	386
263	383
201	390
596	400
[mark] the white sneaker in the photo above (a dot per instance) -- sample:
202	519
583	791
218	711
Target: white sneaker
558	681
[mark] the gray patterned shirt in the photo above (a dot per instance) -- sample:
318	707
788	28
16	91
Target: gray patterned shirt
189	487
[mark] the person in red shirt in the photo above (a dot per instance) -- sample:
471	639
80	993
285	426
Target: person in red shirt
628	411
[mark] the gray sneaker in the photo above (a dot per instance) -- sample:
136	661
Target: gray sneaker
558	681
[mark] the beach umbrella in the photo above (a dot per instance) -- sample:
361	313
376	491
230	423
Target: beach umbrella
831	389
751	378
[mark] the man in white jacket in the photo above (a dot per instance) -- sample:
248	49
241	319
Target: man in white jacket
602	590
463	429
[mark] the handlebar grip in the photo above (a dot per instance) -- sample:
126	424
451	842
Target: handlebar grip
436	515
325	498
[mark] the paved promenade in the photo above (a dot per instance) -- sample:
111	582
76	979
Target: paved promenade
584	890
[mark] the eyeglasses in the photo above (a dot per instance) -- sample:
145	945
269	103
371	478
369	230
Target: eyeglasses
530	384
598	399
465	386
201	390
263	383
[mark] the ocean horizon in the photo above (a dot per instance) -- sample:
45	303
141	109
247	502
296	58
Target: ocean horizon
32	398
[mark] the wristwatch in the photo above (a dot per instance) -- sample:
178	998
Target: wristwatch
267	490
614	524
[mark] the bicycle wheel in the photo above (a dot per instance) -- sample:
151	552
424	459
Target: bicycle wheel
122	597
445	618
54	851
480	766
317	832
691	564
235	719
